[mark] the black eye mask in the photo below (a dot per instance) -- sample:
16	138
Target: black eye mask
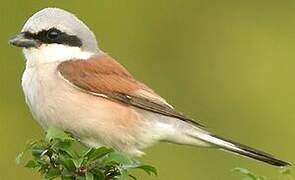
54	36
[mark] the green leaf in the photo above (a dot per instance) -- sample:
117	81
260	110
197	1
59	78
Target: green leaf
89	176
38	150
78	162
80	178
21	154
65	173
32	164
52	173
118	158
62	144
95	154
148	169
56	157
66	178
87	152
99	174
132	177
70	152
55	133
246	172
19	157
68	163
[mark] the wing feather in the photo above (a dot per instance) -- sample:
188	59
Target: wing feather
104	77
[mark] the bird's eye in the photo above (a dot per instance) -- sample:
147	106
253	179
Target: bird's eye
53	34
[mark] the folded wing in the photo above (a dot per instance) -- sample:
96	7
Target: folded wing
103	76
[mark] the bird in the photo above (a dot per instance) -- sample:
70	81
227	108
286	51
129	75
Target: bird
71	84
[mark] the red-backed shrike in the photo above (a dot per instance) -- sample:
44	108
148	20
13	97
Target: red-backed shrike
71	84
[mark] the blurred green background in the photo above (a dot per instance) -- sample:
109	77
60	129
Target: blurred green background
228	63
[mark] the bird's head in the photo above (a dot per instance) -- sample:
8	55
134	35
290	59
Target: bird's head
54	34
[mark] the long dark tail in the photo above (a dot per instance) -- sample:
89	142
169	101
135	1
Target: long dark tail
251	152
237	148
191	134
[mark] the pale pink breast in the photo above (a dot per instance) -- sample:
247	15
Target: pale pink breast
54	102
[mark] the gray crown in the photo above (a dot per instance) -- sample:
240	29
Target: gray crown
64	21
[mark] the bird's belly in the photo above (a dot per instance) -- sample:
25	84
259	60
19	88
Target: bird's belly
94	120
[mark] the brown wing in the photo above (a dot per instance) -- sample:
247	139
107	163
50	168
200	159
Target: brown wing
103	76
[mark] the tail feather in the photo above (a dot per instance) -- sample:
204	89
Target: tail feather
252	153
237	148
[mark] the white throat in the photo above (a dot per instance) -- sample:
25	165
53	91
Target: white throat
49	53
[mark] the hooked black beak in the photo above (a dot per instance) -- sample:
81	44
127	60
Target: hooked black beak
22	41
